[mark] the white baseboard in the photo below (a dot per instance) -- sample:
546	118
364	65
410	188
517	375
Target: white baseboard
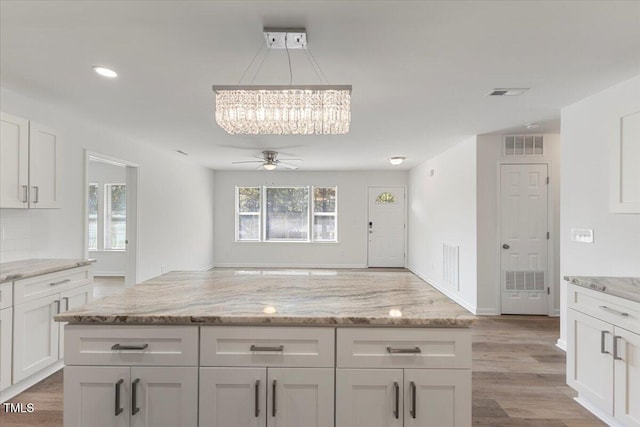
16	389
487	312
283	265
608	419
562	345
208	267
109	273
445	291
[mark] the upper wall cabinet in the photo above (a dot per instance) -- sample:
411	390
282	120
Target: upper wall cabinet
29	175
625	173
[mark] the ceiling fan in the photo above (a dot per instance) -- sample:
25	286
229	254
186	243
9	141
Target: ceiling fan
270	161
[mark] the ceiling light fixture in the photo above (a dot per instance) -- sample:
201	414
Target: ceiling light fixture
532	125
269	166
395	161
288	109
508	91
105	72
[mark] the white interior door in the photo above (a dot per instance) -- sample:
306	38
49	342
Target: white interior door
524	238
386	227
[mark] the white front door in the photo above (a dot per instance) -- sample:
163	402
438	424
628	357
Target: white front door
386	227
524	238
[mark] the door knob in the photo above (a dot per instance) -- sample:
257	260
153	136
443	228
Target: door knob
505	246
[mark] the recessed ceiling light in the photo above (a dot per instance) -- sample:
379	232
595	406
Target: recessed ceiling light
508	91
105	72
532	125
395	161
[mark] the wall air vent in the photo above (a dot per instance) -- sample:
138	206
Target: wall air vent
508	91
523	145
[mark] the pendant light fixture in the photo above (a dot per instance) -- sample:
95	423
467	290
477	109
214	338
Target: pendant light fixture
284	109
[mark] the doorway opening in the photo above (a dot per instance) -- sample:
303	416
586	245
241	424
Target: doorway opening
111	216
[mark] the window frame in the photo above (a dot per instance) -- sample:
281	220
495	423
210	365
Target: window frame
98	218
107	211
263	214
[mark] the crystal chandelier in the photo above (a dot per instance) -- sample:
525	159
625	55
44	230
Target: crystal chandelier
284	110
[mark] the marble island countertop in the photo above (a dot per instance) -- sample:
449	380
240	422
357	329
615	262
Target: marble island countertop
623	287
25	268
278	297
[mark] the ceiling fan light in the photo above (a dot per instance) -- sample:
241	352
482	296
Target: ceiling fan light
269	166
395	161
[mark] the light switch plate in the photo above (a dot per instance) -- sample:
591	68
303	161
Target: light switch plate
581	235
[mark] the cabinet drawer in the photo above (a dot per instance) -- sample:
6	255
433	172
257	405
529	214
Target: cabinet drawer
131	345
6	295
404	348
266	346
606	307
49	284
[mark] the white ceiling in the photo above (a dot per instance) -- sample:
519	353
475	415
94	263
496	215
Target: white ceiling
420	70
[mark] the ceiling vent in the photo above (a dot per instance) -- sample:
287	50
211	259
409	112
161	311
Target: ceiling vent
523	145
508	91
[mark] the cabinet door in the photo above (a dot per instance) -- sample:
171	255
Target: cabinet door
43	167
163	396
589	359
627	377
35	336
96	396
14	161
69	300
231	397
369	398
300	397
437	397
6	327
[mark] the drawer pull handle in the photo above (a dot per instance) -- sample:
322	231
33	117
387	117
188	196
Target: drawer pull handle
257	411
615	348
258	348
66	303
25	191
273	400
129	347
118	408
134	397
59	282
414	350
396	407
412	385
611	310
602	344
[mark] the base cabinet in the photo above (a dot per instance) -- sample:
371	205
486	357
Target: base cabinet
603	357
105	396
6	328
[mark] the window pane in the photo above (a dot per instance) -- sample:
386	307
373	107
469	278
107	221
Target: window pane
324	228
287	214
324	199
249	199
93	217
117	216
249	227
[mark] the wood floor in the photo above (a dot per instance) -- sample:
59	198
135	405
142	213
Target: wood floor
518	377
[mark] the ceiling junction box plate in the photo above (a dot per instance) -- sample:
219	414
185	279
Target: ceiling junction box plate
295	38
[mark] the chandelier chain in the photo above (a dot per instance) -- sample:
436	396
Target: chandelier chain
286	46
317	64
251	63
260	66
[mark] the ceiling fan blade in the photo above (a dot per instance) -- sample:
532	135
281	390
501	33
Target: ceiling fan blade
291	160
287	165
248	161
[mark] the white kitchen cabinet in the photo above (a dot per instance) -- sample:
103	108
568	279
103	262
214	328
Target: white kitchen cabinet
369	397
69	300
6	329
627	377
35	336
231	397
603	354
29	170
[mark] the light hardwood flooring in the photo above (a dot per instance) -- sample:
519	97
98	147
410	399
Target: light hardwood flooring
518	377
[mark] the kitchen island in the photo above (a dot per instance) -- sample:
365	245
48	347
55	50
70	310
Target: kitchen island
270	348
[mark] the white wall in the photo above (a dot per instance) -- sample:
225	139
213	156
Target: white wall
442	209
349	252
589	127
176	197
110	262
490	156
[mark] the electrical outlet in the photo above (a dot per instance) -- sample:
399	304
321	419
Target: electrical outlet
582	235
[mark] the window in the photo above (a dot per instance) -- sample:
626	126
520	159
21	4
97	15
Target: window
286	214
115	217
248	213
93	217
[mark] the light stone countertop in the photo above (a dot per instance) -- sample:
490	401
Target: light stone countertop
25	268
278	297
623	287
